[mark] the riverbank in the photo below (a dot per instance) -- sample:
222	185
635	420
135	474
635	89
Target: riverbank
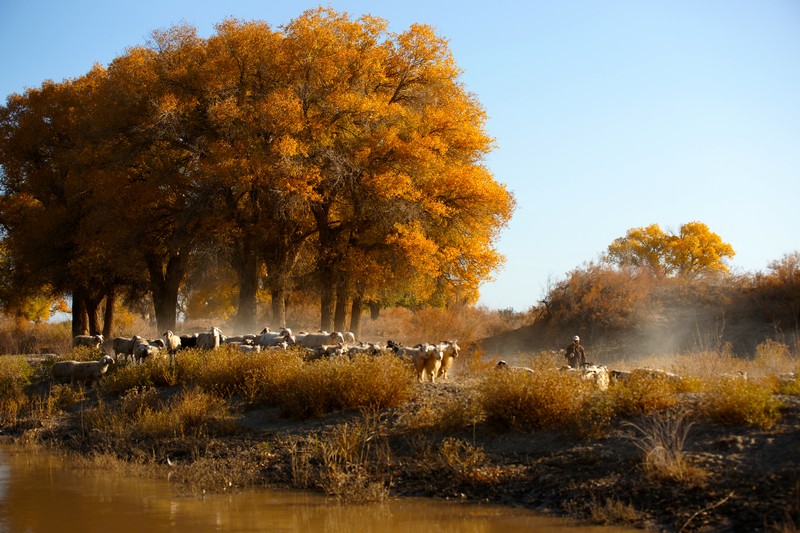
733	477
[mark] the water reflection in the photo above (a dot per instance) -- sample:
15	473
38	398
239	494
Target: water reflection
40	493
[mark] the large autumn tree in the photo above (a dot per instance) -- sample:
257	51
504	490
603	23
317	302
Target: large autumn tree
393	145
330	143
48	149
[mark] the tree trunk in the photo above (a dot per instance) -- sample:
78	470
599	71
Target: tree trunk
278	307
326	306
374	310
248	288
93	313
108	315
164	284
340	310
80	320
355	315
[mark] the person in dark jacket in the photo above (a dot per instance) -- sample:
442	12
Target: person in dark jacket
575	354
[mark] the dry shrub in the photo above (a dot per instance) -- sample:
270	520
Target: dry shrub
643	393
350	461
661	438
218	371
268	376
708	364
15	375
773	357
460	323
441	414
137	401
329	385
84	353
546	399
600	297
462	459
200	413
191	413
613	511
63	396
258	378
789	384
122	378
22	337
739	401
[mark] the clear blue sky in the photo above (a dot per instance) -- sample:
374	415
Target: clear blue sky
608	114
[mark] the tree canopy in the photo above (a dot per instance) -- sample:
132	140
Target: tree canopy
694	250
329	155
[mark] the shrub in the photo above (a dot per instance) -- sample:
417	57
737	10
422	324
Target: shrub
739	401
191	413
441	414
546	399
350	461
329	385
259	378
643	393
119	379
268	376
15	375
661	438
63	396
17	337
773	357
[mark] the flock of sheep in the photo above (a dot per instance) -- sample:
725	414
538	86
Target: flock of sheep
430	361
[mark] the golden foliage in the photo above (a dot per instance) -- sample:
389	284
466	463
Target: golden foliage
694	250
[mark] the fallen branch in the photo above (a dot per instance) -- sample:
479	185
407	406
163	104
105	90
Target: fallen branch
712	506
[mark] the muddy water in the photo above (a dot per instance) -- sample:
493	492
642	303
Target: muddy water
39	493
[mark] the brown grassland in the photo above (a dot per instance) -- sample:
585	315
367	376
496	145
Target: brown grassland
714	451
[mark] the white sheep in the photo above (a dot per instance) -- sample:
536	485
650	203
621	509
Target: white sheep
267	338
210	340
312	340
349	337
81	371
119	345
399	350
450	350
142	349
90	341
597	373
502	365
427	359
369	348
248	348
328	350
172	341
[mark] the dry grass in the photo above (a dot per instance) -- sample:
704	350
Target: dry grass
660	438
612	510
